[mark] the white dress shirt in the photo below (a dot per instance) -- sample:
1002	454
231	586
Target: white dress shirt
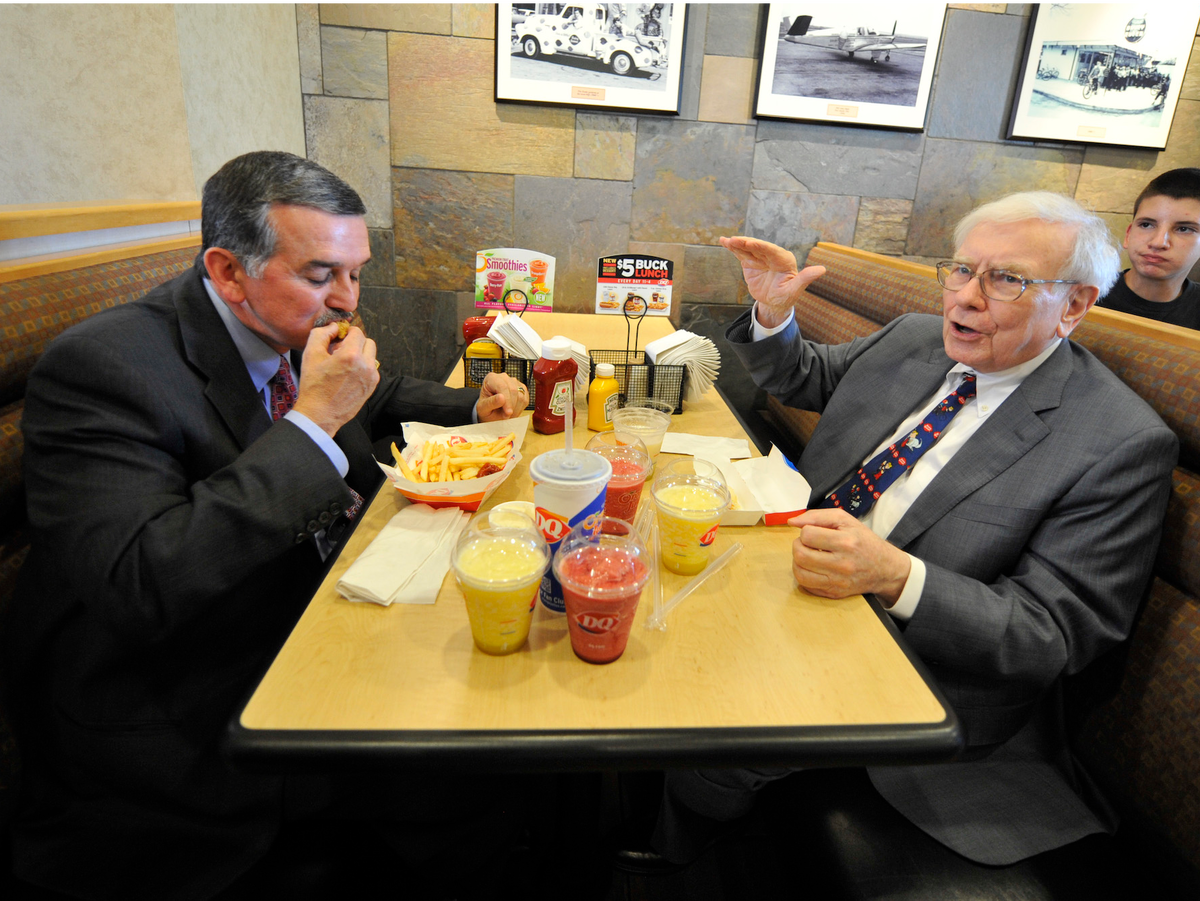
992	389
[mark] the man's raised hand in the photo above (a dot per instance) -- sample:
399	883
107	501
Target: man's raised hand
772	277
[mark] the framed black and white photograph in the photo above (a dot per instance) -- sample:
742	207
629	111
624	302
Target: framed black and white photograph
850	63
1103	73
625	56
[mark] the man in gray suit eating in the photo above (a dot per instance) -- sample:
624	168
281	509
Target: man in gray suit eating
995	487
191	457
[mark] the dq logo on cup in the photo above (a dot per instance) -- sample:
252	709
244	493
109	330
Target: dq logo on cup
552	526
597	623
707	538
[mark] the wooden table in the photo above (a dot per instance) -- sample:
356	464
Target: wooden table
749	670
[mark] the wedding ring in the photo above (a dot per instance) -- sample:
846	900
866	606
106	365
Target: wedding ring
521	388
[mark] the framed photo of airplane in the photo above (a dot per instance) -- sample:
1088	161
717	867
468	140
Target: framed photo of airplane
850	63
1103	73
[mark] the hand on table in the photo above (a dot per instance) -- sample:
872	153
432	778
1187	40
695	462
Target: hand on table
772	277
836	556
336	377
500	397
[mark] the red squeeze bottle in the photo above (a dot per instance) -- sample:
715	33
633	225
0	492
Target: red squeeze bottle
554	379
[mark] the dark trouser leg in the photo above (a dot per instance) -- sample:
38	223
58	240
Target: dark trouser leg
697	802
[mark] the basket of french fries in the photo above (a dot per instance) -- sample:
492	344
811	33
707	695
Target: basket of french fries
459	466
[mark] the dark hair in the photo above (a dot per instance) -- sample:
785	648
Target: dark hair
239	196
1178	184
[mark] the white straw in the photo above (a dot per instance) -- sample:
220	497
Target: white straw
658	619
569	418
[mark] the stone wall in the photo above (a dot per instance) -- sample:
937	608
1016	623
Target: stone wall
408	90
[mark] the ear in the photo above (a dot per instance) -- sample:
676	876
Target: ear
227	274
1082	299
1125	240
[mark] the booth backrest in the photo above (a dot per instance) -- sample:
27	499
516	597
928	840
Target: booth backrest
33	311
1143	742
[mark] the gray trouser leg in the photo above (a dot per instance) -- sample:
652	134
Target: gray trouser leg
696	802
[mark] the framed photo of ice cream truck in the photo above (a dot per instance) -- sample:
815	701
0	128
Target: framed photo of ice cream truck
626	56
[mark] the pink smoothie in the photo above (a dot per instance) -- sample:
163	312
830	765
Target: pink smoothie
601	586
624	489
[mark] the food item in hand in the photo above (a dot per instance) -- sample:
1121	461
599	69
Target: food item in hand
343	329
456	459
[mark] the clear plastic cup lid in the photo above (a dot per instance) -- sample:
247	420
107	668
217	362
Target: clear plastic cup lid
578	466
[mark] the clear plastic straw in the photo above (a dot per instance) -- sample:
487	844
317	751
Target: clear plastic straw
569	421
657	620
655	581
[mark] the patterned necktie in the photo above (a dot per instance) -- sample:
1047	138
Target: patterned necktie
283	390
283	398
860	492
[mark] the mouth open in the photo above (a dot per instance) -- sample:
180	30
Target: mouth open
963	330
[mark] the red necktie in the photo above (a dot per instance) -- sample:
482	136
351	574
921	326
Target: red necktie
283	398
861	490
283	390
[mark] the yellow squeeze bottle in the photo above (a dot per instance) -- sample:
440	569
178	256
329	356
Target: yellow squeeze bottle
602	398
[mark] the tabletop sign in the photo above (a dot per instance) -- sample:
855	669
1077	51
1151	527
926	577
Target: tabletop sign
629	276
509	278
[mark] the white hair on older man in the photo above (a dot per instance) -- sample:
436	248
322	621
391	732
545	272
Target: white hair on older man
1094	259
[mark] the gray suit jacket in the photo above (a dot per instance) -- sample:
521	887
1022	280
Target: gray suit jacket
1038	538
172	553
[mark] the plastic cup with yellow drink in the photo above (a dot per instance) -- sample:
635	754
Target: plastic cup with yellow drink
689	511
499	566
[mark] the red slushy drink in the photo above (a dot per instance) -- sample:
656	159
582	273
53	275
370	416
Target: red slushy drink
625	489
602	587
602	572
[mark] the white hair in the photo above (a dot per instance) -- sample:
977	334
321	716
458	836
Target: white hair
1094	258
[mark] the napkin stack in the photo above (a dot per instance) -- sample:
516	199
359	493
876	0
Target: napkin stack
695	352
409	558
516	336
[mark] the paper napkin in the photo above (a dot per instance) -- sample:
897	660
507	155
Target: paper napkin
409	558
516	336
705	446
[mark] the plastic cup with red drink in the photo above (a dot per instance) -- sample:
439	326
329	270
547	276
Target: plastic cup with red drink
602	569
631	465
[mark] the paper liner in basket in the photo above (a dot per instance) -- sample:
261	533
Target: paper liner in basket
467	494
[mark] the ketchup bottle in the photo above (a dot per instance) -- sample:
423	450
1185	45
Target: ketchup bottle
553	379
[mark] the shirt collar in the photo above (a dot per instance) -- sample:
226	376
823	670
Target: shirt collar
993	388
262	362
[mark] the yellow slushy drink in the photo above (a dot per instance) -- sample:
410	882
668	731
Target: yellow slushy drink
689	511
498	572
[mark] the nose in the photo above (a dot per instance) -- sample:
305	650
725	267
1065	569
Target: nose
971	294
1161	237
343	293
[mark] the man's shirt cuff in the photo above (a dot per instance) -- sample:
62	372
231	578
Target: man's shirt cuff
324	442
759	331
906	604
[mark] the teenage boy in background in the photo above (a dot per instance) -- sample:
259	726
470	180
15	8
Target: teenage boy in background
1163	243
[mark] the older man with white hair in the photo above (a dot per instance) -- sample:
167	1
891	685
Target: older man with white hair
998	490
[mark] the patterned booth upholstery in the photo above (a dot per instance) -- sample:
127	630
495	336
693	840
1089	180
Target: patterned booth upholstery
32	312
1141	739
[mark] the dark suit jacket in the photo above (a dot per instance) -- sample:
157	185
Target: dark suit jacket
1038	538
172	524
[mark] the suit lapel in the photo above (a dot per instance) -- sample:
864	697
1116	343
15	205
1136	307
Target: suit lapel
210	350
1008	435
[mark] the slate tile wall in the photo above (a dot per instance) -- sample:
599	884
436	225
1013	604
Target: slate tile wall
460	171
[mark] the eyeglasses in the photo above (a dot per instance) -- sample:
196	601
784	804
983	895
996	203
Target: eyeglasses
996	284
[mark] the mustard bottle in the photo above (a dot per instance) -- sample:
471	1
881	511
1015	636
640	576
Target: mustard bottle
603	398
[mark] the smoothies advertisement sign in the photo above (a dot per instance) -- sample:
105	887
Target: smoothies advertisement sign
514	279
626	277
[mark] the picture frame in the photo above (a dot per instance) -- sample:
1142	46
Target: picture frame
617	56
1103	73
849	64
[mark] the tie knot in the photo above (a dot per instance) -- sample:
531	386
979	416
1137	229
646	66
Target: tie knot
967	388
